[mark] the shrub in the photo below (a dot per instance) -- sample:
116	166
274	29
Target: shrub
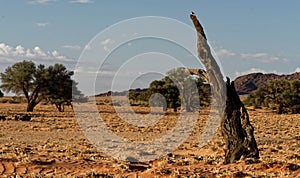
282	95
12	101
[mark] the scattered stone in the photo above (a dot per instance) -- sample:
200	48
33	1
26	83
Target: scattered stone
2	118
25	118
240	175
252	161
139	166
43	162
131	159
292	167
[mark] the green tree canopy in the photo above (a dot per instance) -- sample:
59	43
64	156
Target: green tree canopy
25	78
38	83
187	86
61	87
168	90
282	95
180	88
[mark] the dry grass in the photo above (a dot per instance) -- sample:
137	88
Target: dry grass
52	145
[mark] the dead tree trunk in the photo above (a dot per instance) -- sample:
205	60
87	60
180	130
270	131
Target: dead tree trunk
235	125
236	128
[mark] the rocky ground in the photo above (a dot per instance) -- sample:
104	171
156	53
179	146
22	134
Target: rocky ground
52	144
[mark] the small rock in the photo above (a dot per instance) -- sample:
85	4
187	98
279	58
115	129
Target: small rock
25	118
2	118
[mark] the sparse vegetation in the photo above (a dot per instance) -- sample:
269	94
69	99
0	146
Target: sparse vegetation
164	93
176	88
24	78
61	88
280	95
39	83
54	146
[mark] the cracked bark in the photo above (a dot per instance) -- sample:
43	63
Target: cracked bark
237	131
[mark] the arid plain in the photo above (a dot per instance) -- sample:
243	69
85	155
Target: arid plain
52	144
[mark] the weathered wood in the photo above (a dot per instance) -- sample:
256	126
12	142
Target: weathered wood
235	125
200	73
237	129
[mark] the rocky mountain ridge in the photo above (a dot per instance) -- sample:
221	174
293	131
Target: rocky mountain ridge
247	84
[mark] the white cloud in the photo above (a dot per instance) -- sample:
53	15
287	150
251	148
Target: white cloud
107	44
41	1
255	55
225	53
72	47
255	70
81	1
9	54
38	52
263	57
41	24
260	57
4	49
20	50
297	69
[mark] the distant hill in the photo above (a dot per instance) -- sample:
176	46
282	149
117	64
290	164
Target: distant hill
247	84
120	93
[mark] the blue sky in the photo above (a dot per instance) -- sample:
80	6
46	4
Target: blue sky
247	36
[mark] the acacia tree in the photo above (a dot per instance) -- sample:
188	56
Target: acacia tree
25	78
180	87
38	83
61	87
186	84
166	88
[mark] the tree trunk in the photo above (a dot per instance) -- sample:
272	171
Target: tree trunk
60	107
32	100
175	108
279	109
235	125
30	106
236	128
